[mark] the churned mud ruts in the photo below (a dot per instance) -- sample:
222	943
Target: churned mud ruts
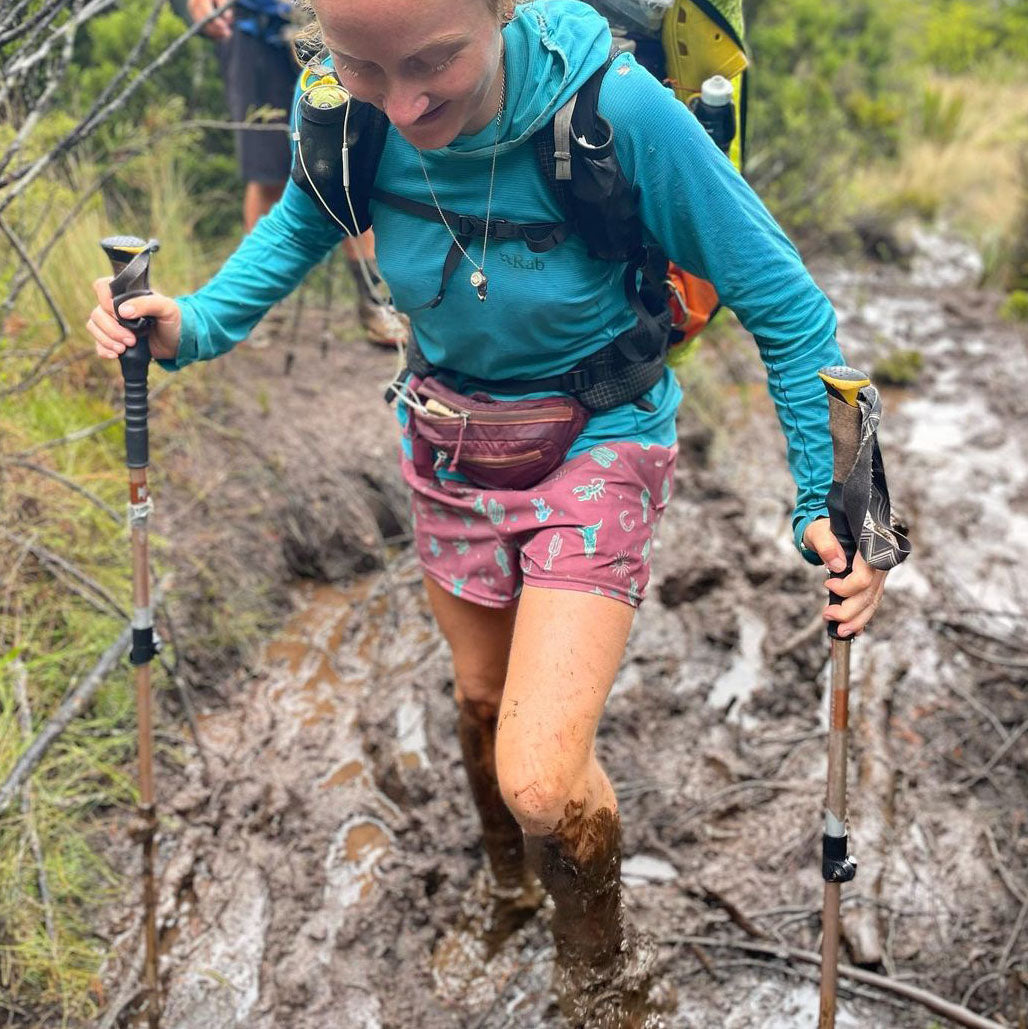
312	883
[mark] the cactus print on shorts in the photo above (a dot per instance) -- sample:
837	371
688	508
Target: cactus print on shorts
589	527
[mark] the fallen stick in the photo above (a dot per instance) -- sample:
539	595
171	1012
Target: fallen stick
21	694
70	707
932	1001
48	557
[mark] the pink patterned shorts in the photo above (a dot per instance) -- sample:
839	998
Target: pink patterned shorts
589	527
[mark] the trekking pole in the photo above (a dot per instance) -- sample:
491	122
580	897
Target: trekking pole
130	258
837	867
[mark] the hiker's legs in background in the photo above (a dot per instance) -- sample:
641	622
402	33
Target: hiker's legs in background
258	199
383	325
479	639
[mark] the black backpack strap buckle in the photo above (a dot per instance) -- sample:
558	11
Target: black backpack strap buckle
577	380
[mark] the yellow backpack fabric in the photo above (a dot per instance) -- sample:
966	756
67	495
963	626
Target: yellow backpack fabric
702	38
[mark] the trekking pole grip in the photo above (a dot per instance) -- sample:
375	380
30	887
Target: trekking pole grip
843	385
130	259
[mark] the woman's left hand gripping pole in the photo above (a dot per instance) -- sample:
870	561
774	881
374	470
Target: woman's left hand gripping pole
130	258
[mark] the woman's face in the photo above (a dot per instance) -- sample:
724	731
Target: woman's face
430	65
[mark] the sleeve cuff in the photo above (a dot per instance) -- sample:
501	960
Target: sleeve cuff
187	349
800	523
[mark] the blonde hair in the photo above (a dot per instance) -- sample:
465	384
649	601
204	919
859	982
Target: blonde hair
307	42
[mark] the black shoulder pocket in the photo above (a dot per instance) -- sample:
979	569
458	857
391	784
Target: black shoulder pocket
318	164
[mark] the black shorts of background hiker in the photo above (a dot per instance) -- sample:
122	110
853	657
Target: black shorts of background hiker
259	74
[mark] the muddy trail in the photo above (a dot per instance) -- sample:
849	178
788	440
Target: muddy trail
309	882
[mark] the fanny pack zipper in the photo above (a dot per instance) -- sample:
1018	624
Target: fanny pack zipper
510	459
494	417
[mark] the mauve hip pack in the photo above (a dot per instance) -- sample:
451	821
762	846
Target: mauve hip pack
498	444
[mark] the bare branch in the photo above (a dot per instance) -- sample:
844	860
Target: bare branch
145	35
28	173
24	63
932	1001
51	303
13	14
69	483
23	276
54	81
48	557
70	707
33	22
994	760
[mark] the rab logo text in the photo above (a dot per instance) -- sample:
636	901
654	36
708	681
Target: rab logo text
533	263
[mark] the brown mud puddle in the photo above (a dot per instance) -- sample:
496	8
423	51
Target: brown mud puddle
338	843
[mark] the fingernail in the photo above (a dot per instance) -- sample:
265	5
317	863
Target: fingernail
128	340
128	310
837	564
845	632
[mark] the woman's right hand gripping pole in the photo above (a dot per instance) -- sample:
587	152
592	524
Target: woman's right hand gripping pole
112	338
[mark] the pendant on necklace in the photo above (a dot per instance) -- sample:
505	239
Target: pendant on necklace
480	282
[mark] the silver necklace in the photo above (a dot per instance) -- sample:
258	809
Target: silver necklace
478	279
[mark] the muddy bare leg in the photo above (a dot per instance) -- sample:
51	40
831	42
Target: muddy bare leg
499	902
604	970
566	650
501	835
580	866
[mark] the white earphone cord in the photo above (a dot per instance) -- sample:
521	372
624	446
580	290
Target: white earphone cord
373	288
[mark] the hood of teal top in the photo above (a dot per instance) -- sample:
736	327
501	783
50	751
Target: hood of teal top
552	47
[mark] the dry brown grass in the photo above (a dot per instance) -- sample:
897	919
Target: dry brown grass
962	162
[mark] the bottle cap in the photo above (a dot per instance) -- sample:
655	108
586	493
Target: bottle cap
716	91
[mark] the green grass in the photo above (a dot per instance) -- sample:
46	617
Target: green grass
86	781
960	162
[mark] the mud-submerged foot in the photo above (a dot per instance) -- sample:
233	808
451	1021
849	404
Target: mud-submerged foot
627	993
467	964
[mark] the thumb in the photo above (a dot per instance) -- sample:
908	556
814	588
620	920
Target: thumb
820	538
154	305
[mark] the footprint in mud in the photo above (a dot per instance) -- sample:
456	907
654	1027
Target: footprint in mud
475	959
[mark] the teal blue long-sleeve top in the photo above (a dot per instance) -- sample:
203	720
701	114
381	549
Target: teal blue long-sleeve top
546	312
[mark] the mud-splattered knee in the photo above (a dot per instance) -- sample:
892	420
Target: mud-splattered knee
536	798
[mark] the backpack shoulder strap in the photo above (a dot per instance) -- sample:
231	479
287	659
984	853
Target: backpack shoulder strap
579	161
577	157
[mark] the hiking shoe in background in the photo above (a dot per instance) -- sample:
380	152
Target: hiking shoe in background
383	325
260	337
267	330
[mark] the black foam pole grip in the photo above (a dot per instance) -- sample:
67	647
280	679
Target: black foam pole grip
135	364
130	259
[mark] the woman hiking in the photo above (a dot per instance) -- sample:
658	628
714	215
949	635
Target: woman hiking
534	579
